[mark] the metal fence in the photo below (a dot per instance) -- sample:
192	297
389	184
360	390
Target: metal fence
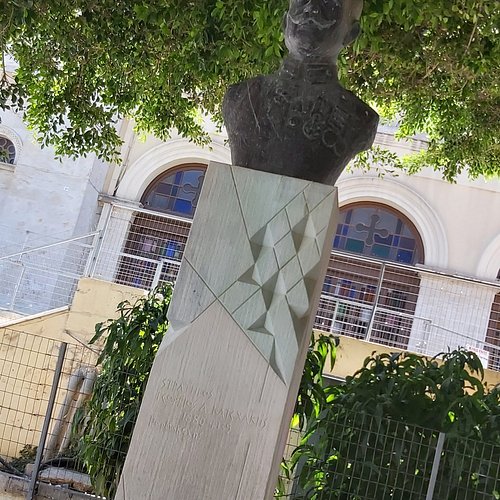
43	382
140	248
45	277
409	308
369	458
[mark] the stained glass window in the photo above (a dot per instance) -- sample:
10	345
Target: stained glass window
378	231
7	151
176	192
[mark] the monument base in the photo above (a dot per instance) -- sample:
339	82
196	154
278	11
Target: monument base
215	415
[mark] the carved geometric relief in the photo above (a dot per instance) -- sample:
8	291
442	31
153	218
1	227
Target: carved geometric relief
270	272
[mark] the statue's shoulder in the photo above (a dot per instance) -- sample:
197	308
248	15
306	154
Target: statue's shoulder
248	89
363	111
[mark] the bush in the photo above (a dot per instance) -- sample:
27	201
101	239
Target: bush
131	343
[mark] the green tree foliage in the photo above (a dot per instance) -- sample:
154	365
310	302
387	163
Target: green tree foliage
433	66
375	438
131	343
312	397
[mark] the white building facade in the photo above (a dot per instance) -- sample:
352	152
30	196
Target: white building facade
415	261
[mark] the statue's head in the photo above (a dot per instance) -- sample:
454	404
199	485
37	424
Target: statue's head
321	28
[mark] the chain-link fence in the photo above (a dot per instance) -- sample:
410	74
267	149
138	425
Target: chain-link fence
43	384
364	457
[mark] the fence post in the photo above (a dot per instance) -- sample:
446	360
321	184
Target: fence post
91	258
102	230
46	421
17	287
157	276
435	466
375	302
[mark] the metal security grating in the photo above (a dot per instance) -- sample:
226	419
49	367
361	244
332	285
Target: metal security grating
400	306
469	470
27	364
45	277
410	308
141	248
43	384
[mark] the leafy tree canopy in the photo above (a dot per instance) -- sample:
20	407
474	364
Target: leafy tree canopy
433	66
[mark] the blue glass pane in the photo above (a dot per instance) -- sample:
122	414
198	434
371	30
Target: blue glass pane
165	189
405	256
171	248
160	202
192	177
176	192
377	231
381	251
353	245
183	206
384	241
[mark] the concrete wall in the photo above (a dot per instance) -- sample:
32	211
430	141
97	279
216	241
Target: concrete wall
94	301
351	354
28	354
41	199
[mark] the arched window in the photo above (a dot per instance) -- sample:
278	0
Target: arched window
378	231
7	151
373	299
176	192
155	243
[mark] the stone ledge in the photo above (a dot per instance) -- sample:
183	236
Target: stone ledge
15	488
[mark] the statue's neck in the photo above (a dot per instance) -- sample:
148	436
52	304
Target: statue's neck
312	70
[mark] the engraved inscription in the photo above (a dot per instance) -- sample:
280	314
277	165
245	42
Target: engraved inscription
181	431
319	117
200	412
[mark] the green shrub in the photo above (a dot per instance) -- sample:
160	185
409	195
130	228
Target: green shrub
131	343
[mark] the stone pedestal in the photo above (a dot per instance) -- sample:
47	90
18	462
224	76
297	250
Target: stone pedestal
215	416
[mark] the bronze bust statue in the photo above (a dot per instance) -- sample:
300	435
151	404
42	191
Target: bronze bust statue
300	121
